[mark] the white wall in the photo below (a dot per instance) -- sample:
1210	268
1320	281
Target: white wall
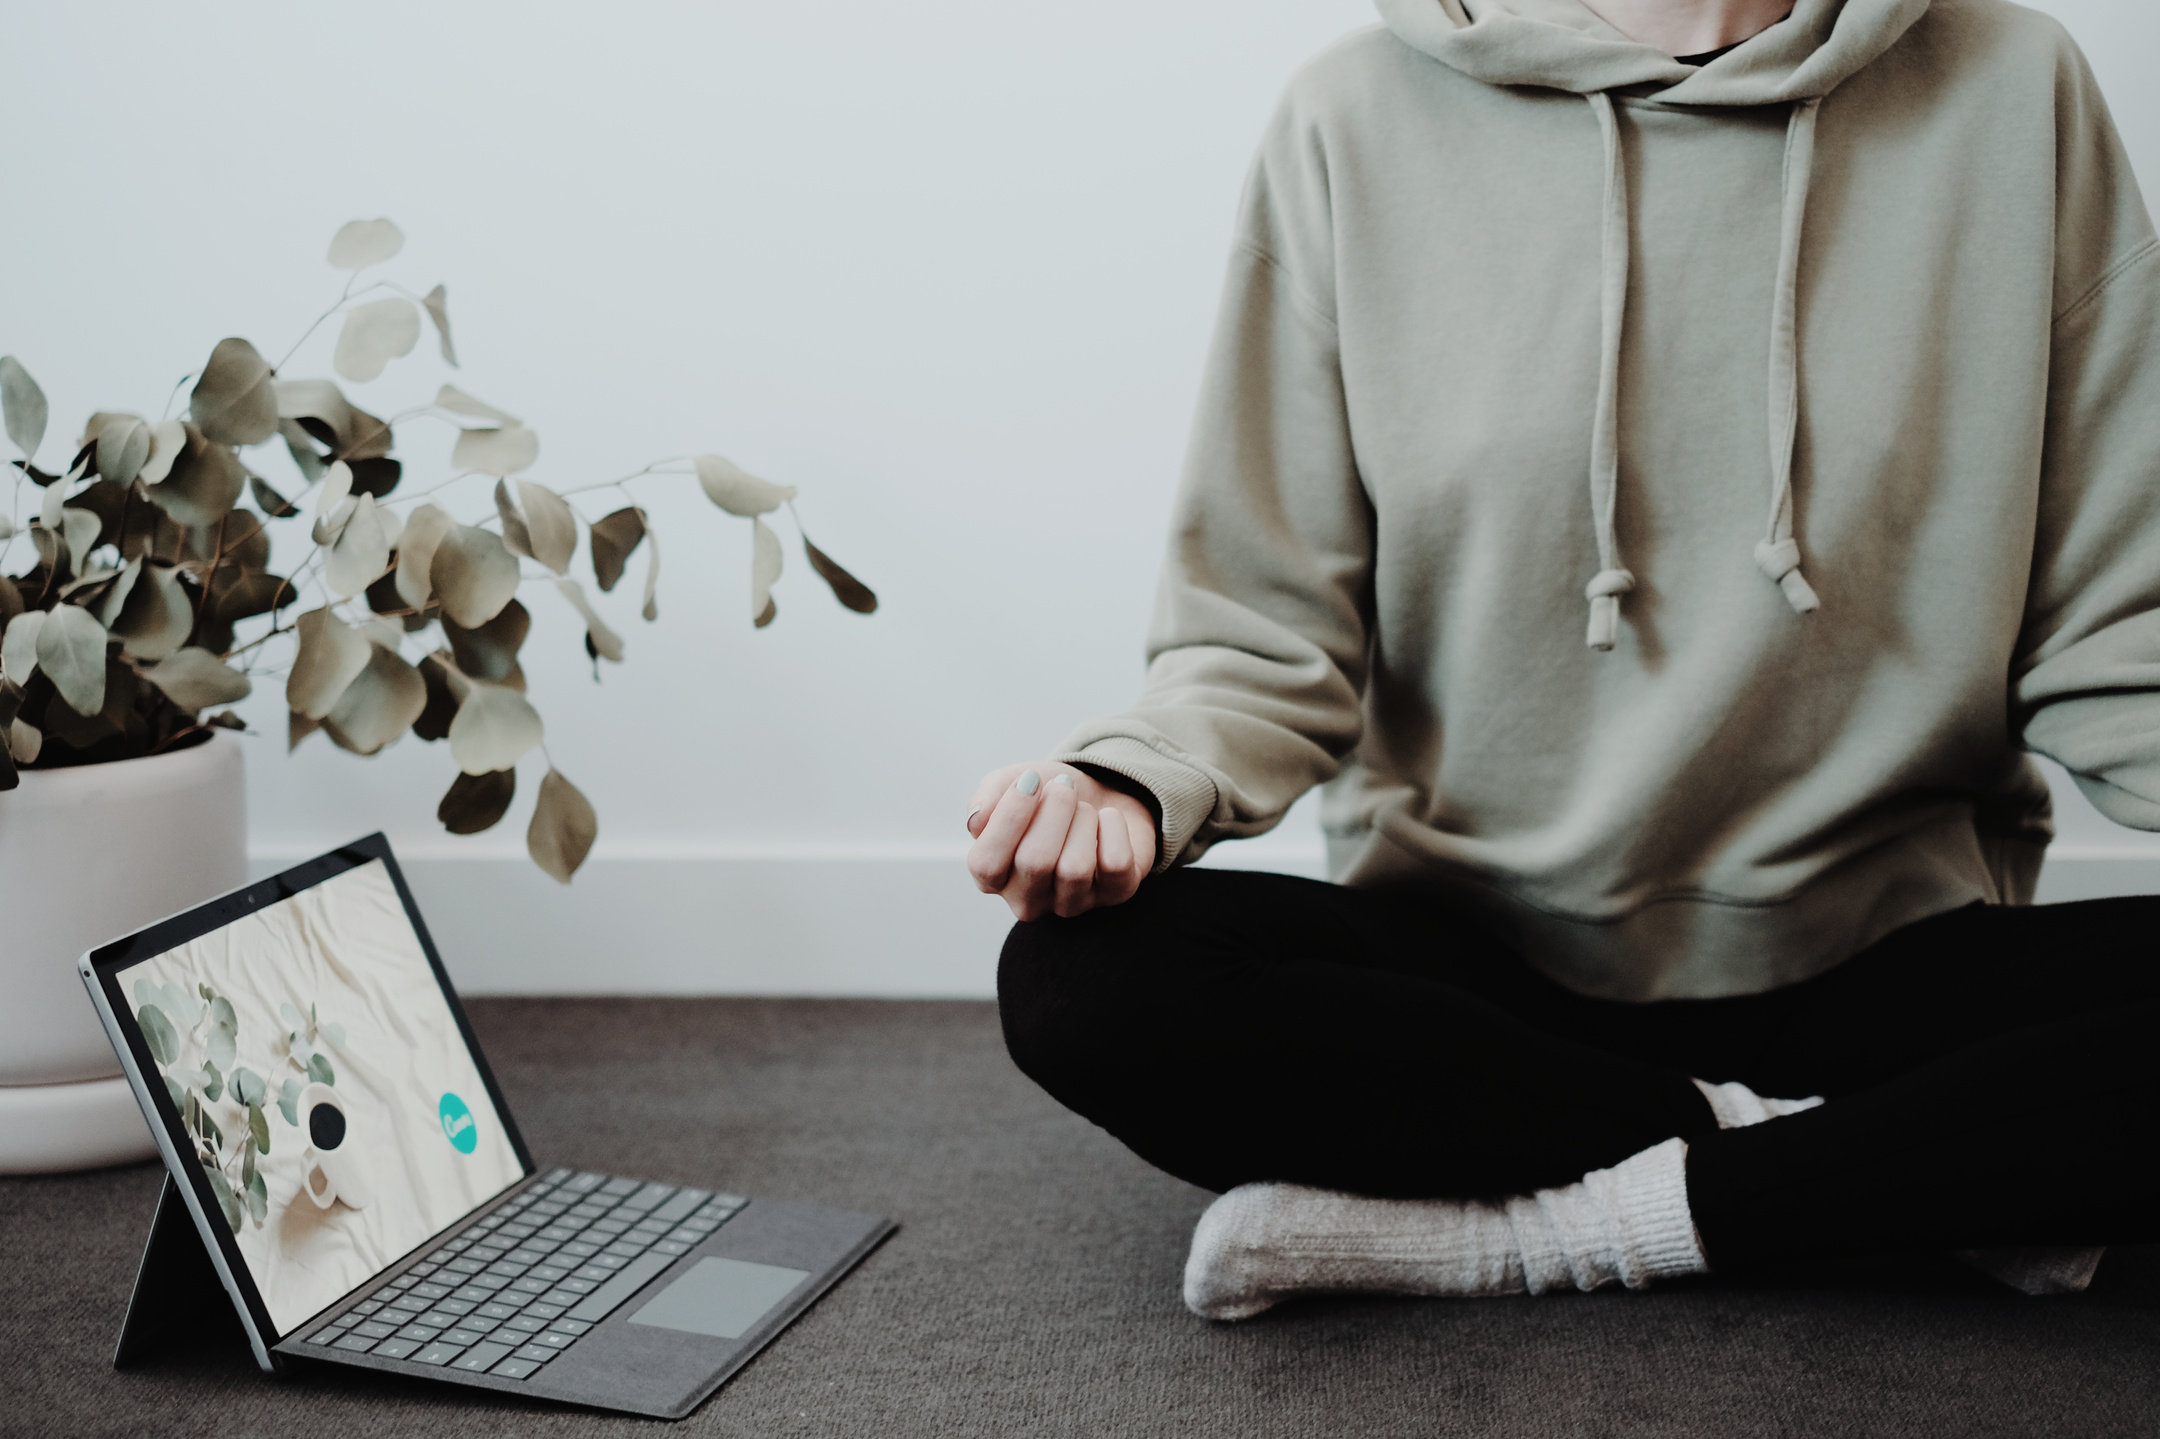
948	265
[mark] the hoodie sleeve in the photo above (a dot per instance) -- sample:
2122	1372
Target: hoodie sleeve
2087	683
1257	650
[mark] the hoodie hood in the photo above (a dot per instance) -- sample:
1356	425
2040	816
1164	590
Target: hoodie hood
1563	45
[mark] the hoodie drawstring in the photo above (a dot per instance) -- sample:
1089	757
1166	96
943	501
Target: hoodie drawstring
1612	581
1777	554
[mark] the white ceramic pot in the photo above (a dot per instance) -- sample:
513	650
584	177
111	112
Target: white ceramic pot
89	853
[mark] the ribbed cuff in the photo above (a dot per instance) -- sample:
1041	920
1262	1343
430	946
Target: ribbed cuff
1185	795
1649	1198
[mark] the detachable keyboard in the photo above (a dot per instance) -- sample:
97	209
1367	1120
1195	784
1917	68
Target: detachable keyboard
517	1287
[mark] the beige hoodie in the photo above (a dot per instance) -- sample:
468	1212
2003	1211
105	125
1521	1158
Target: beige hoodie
1822	384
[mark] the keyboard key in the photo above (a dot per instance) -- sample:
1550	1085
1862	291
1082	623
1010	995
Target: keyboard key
513	1298
671	1246
620	1187
496	1311
556	1176
464	1265
424	1268
557	1233
570	1326
602	1301
600	1271
474	1292
532	1251
432	1290
323	1336
515	1368
458	1306
584	1181
697	1224
367	1306
682	1204
608	1226
403	1281
531	1284
520	1230
478	1325
481	1357
649	1197
410	1304
550	1272
546	1310
624	1248
524	1324
554	1341
581	1249
580	1287
376	1329
507	1269
457	1245
353	1343
463	1338
396	1348
438	1354
421	1332
536	1354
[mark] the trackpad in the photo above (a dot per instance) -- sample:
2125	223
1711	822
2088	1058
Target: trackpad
720	1297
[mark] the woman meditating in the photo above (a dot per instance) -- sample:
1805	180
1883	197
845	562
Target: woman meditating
1662	465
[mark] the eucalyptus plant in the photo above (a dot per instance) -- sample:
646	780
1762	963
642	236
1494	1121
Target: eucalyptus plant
150	603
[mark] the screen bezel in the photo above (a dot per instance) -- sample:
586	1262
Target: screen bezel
106	963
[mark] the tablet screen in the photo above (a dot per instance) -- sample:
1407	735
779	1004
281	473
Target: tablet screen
324	1085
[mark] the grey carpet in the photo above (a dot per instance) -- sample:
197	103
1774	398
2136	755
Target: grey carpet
1033	1286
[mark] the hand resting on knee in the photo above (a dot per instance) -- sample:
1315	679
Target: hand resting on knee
1053	839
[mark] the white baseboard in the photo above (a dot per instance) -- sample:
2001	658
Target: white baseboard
807	920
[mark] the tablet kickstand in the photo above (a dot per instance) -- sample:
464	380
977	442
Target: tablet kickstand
175	1286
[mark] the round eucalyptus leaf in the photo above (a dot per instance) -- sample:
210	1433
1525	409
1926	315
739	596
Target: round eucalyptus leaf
319	1070
473	575
71	649
361	552
361	243
516	538
18	646
550	524
195	679
563	828
203	484
424	529
123	446
495	727
615	538
490	652
737	491
23	405
330	656
167	439
380	704
373	335
227	1203
158	615
502	451
475	802
455	400
233	402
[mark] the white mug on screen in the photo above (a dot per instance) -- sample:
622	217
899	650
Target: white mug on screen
329	1168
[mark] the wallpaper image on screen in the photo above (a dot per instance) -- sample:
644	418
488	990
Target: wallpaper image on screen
327	1093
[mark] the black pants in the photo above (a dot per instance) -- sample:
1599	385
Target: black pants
1990	1071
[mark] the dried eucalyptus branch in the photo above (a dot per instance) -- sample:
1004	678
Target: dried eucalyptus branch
129	626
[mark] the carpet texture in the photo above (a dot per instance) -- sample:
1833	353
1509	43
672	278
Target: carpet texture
1033	1286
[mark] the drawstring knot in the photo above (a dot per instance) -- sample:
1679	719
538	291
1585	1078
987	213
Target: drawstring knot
1780	560
1604	593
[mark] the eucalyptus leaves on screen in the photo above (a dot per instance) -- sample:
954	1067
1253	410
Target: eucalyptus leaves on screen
149	601
202	1027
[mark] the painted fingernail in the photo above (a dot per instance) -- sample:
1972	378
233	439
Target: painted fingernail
1063	779
1030	782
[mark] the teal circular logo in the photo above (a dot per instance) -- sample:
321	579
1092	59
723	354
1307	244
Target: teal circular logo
458	1126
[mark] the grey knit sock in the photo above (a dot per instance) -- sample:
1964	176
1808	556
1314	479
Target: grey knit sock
1263	1243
